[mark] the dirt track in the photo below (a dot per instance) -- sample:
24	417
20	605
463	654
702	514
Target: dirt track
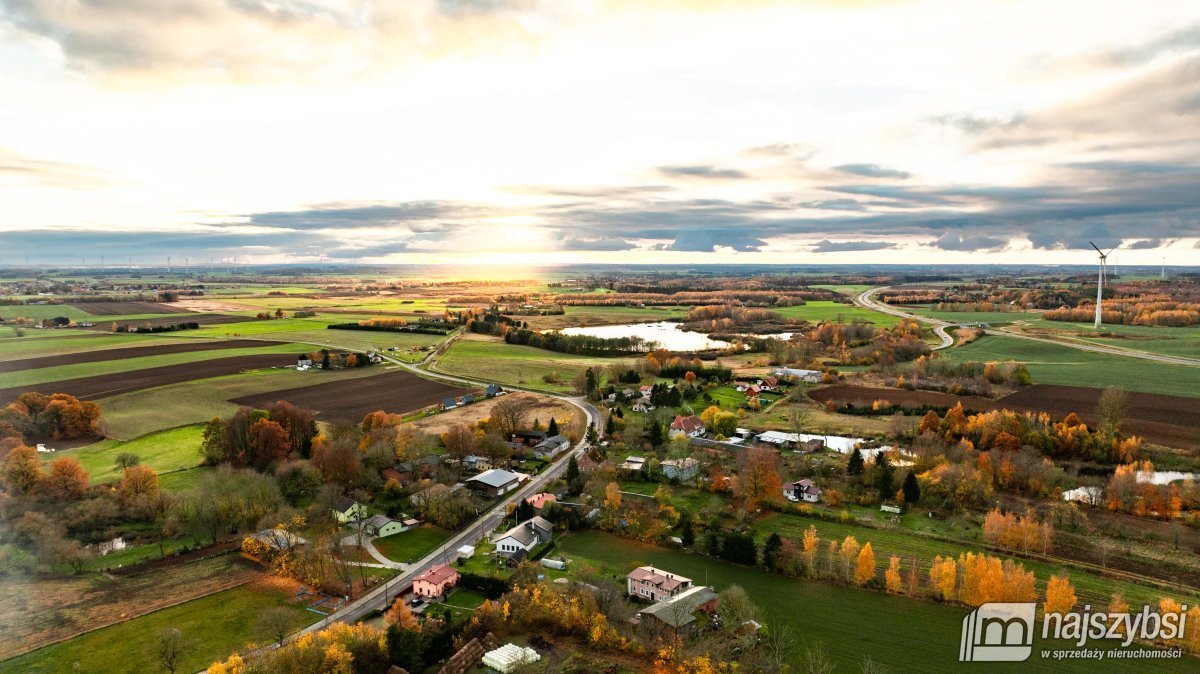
1172	421
124	382
353	399
128	352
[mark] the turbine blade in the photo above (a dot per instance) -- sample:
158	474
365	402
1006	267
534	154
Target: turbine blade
1097	248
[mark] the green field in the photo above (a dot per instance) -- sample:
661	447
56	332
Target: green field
181	480
1167	341
35	344
216	626
134	414
582	316
40	311
990	317
313	333
848	624
47	375
515	364
411	545
1053	364
176	449
824	310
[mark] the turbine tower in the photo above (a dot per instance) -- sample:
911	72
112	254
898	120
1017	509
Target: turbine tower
1100	279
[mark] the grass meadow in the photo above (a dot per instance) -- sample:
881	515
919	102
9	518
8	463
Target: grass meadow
824	310
512	364
176	449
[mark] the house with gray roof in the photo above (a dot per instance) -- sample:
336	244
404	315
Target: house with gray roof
495	482
524	537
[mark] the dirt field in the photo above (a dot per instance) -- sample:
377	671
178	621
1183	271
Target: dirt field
394	391
207	306
1171	421
39	611
185	317
124	382
1165	420
129	352
542	407
127	308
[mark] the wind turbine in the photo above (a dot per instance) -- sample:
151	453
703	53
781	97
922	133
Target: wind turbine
1100	279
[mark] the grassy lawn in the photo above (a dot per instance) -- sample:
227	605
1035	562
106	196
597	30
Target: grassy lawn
134	414
181	480
176	449
313	332
849	624
849	290
216	625
413	544
462	603
992	317
1053	364
581	316
61	372
514	364
825	310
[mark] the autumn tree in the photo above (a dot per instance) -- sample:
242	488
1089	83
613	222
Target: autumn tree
864	570
612	496
848	552
943	576
66	479
459	441
1111	411
891	576
508	415
758	478
212	442
299	425
22	470
401	616
1060	595
338	460
812	544
268	443
138	484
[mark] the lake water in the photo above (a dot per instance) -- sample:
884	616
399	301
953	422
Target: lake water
665	334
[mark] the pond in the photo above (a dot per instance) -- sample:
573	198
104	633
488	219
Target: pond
665	334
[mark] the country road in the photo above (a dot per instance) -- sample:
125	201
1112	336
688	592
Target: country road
381	597
866	300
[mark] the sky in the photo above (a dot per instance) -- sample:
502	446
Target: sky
501	132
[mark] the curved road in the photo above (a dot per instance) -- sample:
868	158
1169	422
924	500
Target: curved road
867	301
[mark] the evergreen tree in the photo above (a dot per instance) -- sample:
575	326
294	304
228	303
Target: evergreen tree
552	429
325	360
574	481
592	436
771	551
884	477
405	648
608	425
655	434
589	383
912	490
687	530
855	465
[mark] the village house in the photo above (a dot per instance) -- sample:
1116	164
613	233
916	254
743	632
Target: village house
524	537
677	615
466	399
476	462
346	509
551	447
494	390
448	404
802	490
642	405
407	471
495	482
529	438
686	427
648	582
686	468
382	526
435	581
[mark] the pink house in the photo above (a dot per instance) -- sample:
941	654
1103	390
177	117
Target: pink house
435	581
654	584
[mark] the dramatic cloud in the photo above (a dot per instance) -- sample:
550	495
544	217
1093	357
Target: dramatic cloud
956	241
828	246
701	171
872	171
18	167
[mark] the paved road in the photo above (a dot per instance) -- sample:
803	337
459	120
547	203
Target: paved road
380	597
867	301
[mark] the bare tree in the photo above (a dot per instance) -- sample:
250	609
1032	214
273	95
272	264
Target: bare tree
170	648
276	623
776	646
508	415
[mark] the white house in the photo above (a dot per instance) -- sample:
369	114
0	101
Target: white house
551	447
524	537
348	510
802	490
689	426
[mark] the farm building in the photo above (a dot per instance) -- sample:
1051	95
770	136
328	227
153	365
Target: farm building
655	584
686	468
524	537
494	390
529	438
495	482
810	376
633	463
435	581
448	404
